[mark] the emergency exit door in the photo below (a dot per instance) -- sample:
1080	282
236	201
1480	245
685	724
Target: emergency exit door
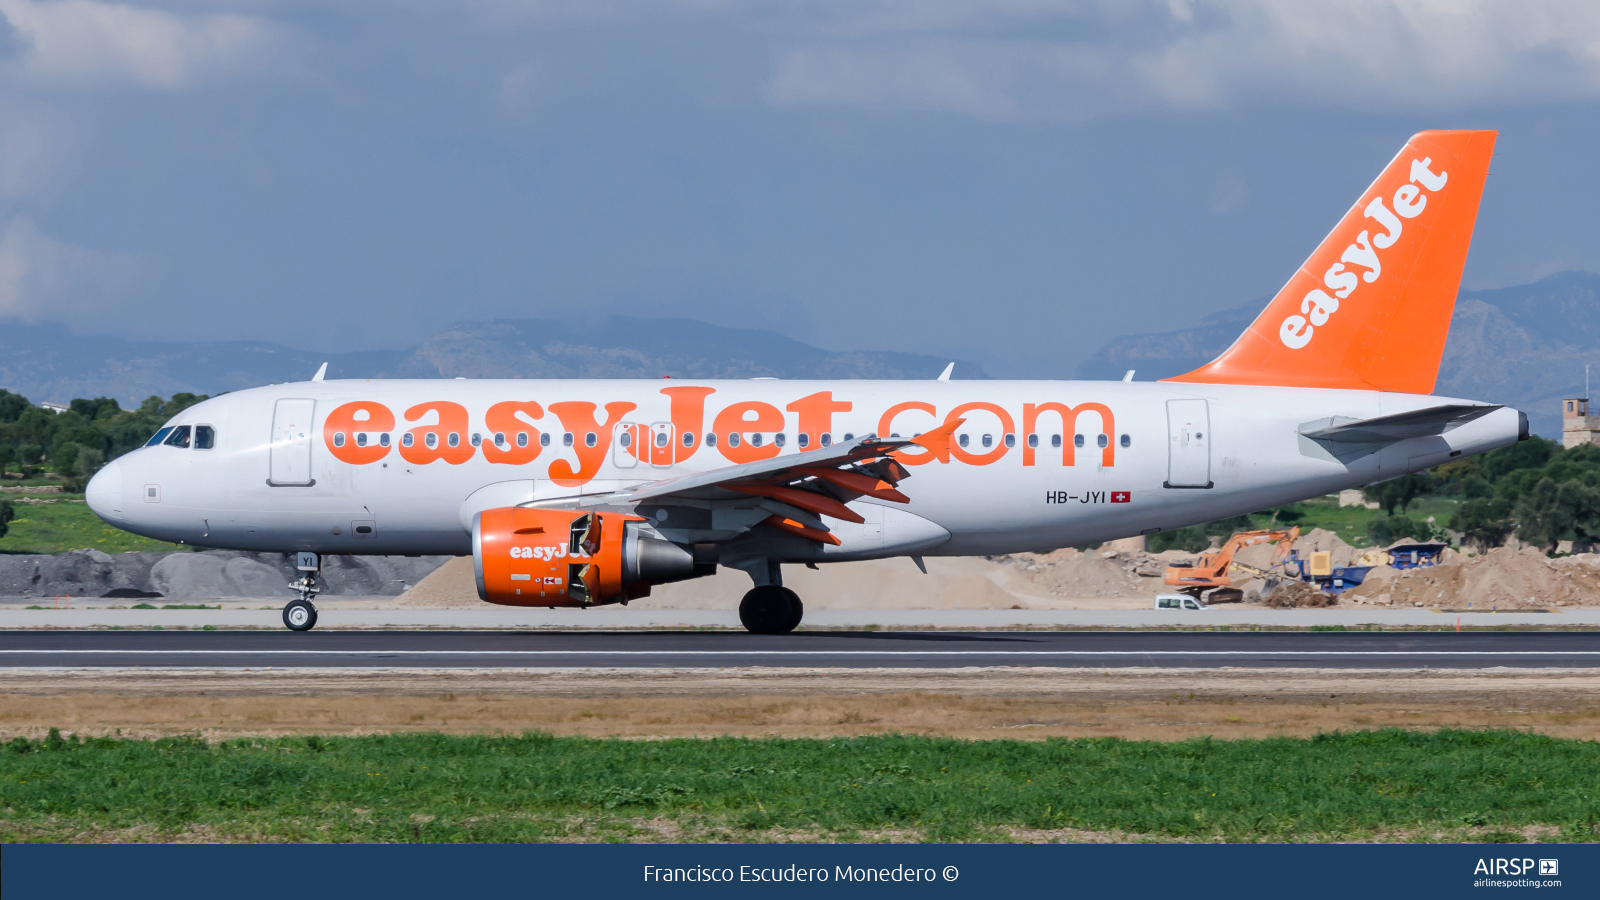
290	464
1188	444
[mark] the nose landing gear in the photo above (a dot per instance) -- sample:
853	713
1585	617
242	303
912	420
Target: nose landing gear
299	614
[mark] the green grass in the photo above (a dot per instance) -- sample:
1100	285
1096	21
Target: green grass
61	526
1350	522
1392	784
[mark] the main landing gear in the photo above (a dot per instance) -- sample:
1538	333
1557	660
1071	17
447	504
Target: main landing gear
770	608
299	614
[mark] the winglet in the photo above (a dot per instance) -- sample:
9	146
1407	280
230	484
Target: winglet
320	372
945	375
937	441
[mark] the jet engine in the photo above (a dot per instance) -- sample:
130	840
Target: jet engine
557	557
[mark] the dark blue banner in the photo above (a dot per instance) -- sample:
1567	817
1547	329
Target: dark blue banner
1170	872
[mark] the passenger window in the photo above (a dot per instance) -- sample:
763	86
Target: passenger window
1077	440
522	438
455	439
804	440
383	439
588	439
711	439
988	441
361	438
1125	441
827	439
205	437
338	439
1102	441
477	439
780	439
1011	440
733	439
688	439
544	440
661	439
432	440
158	437
962	440
1055	440
848	437
1033	440
500	439
626	440
179	437
755	439
407	439
566	439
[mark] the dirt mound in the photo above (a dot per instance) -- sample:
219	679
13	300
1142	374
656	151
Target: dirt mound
453	585
1298	595
1500	579
1319	540
1095	573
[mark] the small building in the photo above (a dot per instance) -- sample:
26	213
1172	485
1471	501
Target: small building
1577	426
1356	498
56	408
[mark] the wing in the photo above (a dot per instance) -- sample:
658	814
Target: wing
789	492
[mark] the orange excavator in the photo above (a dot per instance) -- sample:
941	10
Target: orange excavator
1210	572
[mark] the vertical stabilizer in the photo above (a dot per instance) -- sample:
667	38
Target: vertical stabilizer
1371	308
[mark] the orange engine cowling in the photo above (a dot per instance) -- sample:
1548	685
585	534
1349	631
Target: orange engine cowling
558	557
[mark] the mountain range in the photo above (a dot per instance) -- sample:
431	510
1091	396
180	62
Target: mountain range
1524	346
45	362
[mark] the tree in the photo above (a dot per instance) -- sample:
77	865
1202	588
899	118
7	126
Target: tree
1400	492
1555	511
7	513
1484	522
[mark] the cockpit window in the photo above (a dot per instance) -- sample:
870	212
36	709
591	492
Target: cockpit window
159	436
205	437
179	437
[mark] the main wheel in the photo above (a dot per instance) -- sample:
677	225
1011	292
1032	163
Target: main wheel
300	615
796	608
769	610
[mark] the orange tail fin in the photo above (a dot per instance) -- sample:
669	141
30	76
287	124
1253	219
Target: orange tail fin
1371	308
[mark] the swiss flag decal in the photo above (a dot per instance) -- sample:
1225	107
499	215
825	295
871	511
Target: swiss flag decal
1121	497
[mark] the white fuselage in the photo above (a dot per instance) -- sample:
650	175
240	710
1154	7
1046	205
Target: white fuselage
1236	450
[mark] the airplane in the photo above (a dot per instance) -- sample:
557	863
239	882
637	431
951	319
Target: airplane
579	493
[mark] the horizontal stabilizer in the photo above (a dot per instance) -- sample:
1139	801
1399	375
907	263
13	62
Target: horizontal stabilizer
1398	427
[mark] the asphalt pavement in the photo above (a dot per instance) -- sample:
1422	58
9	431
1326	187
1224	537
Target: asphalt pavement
863	649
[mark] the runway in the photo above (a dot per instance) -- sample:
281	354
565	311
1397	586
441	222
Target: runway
875	649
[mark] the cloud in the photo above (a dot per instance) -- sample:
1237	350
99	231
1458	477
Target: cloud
34	146
83	43
1071	60
45	278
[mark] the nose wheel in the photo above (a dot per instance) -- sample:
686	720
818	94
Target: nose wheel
771	609
300	615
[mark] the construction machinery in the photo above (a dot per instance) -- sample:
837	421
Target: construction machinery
1211	571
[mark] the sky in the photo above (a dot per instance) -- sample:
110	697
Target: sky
1010	182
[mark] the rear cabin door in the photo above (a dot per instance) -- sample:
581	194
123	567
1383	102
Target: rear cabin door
1189	444
291	443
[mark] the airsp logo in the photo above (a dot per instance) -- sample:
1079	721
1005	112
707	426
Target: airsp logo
1549	867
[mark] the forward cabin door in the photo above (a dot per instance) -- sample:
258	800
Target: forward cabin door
291	444
1189	444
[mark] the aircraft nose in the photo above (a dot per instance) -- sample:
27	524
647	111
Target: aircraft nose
104	492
